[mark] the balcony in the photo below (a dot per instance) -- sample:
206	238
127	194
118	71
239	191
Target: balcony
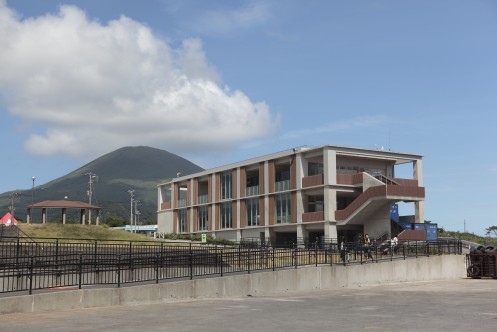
165	206
282	185
313	216
252	191
203	199
349	179
313	180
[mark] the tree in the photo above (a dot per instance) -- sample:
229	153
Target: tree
492	230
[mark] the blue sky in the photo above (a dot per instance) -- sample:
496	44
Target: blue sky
221	81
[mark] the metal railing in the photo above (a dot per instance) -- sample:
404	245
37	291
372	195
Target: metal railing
27	267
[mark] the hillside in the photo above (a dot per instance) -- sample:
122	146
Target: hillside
137	168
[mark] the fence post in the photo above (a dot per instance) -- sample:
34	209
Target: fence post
191	262
31	263
221	260
18	246
118	271
273	259
80	271
249	257
157	257
316	252
295	254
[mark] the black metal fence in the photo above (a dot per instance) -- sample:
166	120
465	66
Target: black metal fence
43	264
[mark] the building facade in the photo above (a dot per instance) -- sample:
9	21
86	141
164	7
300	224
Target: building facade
302	194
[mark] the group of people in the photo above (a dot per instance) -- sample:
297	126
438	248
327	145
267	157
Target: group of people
345	255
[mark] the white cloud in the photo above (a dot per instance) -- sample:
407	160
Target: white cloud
349	125
97	87
226	21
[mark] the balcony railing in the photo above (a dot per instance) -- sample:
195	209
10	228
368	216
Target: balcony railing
282	185
252	191
313	180
203	199
349	179
165	206
284	219
313	216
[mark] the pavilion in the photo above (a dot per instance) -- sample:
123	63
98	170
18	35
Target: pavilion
64	205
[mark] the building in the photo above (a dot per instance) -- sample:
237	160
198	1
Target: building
300	194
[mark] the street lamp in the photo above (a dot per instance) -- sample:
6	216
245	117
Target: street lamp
33	190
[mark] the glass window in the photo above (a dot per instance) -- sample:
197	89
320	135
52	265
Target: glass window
182	221
203	218
253	212
283	208
226	185
226	221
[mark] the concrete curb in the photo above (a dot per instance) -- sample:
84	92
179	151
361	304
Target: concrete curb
444	267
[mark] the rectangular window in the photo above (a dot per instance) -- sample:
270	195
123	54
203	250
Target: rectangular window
282	179
203	218
182	221
252	184
253	212
226	185
226	221
283	208
315	169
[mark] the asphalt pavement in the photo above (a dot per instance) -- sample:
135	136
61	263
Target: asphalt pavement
458	305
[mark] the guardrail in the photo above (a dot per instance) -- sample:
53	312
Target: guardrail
25	267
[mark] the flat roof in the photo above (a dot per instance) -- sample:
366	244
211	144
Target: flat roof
63	204
397	157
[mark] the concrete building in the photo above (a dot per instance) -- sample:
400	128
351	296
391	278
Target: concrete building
300	194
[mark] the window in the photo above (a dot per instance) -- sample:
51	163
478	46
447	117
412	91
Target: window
253	212
226	185
182	221
315	204
315	169
282	179
252	184
283	209
203	218
226	215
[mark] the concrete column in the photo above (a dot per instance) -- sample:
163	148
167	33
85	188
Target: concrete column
44	215
28	217
329	167
330	230
418	172
97	221
419	211
63	216
330	203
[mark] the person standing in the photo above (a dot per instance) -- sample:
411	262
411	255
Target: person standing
394	242
367	248
343	252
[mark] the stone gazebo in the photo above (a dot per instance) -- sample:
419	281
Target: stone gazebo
64	205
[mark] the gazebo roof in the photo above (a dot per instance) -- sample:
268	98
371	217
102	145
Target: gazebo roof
63	204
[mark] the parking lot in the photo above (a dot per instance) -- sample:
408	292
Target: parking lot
458	305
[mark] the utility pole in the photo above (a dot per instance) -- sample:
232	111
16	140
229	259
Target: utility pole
136	213
131	193
33	190
12	204
91	179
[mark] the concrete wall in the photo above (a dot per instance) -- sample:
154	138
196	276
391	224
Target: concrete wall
254	284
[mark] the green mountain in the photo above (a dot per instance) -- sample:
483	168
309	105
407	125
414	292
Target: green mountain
137	168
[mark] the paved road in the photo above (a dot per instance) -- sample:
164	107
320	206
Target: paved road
461	305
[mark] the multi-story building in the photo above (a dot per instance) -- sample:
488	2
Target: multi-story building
299	194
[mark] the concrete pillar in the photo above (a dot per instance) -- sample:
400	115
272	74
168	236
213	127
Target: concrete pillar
63	216
329	167
97	221
28	217
330	230
44	215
